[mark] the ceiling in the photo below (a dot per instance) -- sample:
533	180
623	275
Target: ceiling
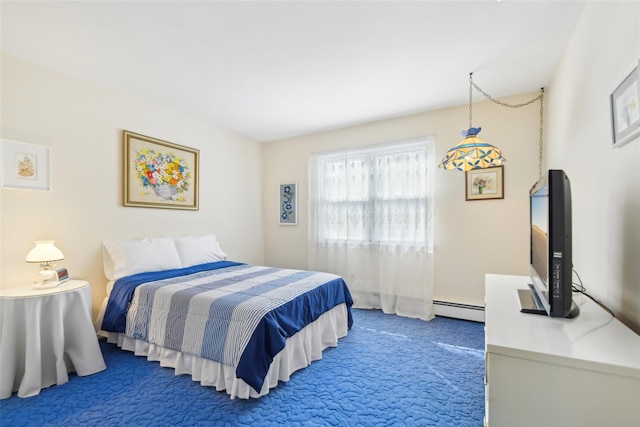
269	70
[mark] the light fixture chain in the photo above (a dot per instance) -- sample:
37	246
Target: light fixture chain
504	104
524	104
470	97
540	142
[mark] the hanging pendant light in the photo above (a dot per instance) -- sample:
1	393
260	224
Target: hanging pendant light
472	152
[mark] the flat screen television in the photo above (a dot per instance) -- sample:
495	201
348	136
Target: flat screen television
551	266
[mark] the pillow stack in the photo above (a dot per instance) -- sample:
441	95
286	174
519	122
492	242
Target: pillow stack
126	257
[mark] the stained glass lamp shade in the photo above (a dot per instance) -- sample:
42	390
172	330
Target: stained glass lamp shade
472	153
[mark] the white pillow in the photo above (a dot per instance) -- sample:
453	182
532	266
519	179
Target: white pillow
194	250
126	257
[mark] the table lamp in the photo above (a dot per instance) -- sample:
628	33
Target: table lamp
45	253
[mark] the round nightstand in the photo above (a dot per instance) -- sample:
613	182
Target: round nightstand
46	333
29	292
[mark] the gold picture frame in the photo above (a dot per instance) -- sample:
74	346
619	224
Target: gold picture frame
485	184
159	174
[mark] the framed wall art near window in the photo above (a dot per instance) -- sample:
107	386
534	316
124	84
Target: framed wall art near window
26	166
159	174
625	109
483	184
289	204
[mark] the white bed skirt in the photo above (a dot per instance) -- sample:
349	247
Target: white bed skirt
300	350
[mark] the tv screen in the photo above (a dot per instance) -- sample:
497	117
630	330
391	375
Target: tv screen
551	265
539	206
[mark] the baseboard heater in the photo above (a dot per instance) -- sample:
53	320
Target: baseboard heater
458	311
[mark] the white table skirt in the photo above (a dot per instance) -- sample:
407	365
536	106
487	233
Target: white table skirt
43	336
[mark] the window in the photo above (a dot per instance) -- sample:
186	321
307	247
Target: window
374	195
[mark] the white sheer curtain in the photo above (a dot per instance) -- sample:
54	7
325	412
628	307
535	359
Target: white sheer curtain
371	221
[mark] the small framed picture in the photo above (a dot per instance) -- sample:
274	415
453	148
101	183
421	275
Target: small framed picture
289	204
625	109
483	184
26	166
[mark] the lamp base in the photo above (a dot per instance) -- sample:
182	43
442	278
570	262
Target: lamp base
45	285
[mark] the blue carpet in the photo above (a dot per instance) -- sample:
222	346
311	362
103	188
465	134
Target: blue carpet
389	371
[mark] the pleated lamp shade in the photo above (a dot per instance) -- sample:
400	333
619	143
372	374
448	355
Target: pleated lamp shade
44	253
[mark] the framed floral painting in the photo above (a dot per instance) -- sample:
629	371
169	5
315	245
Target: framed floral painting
289	204
159	174
483	184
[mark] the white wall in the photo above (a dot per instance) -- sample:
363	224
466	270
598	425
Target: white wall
605	181
471	238
83	123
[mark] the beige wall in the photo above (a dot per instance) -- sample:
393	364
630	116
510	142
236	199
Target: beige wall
605	181
471	238
83	123
492	236
239	178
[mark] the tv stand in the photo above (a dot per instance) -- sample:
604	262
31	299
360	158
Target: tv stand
552	371
530	303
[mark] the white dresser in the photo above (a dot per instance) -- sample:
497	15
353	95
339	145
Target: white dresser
543	371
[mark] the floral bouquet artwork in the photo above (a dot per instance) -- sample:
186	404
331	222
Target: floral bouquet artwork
480	183
164	172
287	197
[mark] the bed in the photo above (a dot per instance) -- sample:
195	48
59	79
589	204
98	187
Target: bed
237	327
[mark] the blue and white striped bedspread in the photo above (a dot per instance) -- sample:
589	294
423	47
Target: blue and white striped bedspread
239	315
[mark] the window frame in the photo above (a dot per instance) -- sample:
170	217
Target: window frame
372	235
